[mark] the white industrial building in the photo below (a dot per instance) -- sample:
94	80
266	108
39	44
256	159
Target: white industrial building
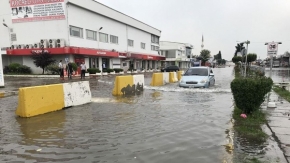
176	53
77	30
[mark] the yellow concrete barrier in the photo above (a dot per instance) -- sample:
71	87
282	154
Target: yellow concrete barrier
179	74
172	77
122	82
38	100
157	79
128	85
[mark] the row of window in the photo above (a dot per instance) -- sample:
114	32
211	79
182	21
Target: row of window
103	37
156	48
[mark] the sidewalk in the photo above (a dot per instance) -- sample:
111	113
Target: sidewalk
279	122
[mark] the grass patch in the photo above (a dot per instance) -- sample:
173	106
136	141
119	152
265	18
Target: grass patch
282	92
250	127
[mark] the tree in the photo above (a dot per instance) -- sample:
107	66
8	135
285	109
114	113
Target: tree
251	57
219	61
218	56
223	61
237	59
42	59
204	56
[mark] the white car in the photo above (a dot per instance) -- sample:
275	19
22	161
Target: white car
197	77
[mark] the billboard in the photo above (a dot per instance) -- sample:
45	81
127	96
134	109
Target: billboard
37	10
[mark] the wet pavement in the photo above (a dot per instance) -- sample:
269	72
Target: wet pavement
280	116
164	124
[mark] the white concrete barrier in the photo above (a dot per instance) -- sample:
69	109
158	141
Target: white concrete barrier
76	93
165	78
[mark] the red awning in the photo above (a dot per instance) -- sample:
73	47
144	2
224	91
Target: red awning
82	51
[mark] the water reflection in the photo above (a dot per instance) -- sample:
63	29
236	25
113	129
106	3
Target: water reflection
44	131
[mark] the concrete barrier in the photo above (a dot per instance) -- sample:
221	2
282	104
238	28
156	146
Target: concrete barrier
159	79
33	101
172	77
128	85
179	75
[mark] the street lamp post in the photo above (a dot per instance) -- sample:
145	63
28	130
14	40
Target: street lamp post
246	42
9	32
99	35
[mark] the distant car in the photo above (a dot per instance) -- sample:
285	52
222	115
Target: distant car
172	68
197	77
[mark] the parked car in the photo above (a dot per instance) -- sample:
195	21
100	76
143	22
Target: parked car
197	77
171	68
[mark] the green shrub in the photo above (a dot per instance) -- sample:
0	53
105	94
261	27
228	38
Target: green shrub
110	70
74	66
24	69
249	93
17	68
52	69
117	70
13	67
93	70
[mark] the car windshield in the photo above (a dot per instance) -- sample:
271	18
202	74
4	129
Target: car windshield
197	72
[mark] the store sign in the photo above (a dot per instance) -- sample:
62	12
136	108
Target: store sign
102	53
149	57
1	72
39	51
37	10
272	48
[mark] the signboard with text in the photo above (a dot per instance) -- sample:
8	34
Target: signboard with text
37	10
272	48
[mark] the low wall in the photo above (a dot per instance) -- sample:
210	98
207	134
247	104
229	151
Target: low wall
33	101
128	85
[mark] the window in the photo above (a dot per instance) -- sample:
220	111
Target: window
92	35
75	31
114	39
155	48
155	39
130	43
197	72
103	37
124	64
142	45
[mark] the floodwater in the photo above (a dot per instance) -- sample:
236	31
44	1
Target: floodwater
164	124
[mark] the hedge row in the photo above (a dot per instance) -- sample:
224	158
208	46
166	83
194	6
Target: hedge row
16	68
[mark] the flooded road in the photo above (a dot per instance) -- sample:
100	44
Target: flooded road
164	124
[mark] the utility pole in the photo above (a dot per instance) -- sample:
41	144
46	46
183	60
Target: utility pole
247	42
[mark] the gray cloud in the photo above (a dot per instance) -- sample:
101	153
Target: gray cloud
222	22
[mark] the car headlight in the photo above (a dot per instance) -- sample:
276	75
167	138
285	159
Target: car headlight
203	81
182	81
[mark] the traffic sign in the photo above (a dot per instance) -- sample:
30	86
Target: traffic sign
272	48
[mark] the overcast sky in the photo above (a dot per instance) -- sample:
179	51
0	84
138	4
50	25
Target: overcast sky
222	22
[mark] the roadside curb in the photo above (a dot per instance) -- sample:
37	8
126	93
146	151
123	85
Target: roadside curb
278	120
7	94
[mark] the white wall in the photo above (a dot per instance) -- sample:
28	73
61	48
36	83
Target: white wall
110	27
29	32
116	15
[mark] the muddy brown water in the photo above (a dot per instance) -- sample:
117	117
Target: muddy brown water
164	124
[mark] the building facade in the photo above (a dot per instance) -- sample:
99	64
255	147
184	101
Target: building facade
176	53
77	31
